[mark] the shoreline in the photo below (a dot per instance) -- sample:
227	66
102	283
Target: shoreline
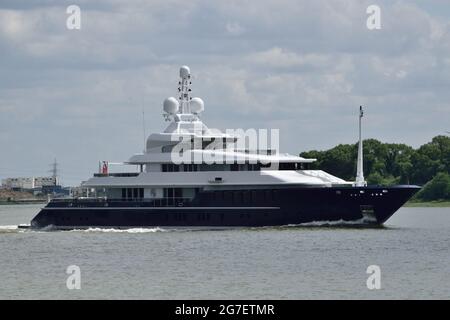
27	201
12	197
428	204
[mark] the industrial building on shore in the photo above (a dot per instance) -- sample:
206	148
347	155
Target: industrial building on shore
28	183
36	185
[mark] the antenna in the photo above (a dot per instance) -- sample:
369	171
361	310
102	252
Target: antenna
360	182
190	108
143	125
184	88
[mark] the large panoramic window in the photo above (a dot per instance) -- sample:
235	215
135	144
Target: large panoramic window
132	193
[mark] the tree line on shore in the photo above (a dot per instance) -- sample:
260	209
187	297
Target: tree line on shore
392	163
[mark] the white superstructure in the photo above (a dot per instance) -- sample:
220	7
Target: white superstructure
189	155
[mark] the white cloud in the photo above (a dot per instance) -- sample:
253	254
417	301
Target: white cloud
234	28
278	57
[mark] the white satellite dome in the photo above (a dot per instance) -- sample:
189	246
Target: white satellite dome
171	105
197	105
185	72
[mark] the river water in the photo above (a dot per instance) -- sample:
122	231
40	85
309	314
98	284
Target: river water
412	252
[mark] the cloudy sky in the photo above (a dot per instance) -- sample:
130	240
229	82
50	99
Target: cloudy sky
303	67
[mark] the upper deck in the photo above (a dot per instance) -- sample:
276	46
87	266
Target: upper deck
188	153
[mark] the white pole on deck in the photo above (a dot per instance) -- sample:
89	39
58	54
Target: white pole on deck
360	182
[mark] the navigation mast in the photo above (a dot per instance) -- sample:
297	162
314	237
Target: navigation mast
184	89
360	182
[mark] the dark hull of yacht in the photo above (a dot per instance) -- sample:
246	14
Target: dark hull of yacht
371	205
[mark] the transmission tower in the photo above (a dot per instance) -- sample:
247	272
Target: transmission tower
54	172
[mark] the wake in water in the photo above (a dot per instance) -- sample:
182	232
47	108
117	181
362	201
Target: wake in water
21	228
112	230
25	228
152	230
8	229
360	223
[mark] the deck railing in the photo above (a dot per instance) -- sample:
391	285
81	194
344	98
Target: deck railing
105	202
117	174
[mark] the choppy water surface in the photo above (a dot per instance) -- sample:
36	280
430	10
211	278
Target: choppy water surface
274	263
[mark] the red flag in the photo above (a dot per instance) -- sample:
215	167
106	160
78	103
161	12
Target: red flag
105	167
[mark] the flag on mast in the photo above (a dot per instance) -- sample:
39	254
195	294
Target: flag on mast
361	113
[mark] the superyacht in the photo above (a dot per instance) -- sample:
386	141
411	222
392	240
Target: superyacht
193	176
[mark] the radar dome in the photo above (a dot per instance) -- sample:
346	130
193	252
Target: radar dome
171	105
197	105
185	72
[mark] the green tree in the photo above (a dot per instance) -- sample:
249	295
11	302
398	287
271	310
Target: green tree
386	163
339	161
375	179
374	157
398	161
428	161
438	188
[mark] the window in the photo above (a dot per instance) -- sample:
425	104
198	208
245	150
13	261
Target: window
203	216
287	166
228	196
173	193
180	216
205	143
254	167
189	167
170	167
167	149
247	167
253	197
132	193
274	195
237	197
247	197
214	167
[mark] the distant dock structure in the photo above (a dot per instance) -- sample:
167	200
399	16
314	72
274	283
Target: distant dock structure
37	185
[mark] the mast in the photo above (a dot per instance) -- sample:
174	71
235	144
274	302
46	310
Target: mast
360	182
184	89
143	128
